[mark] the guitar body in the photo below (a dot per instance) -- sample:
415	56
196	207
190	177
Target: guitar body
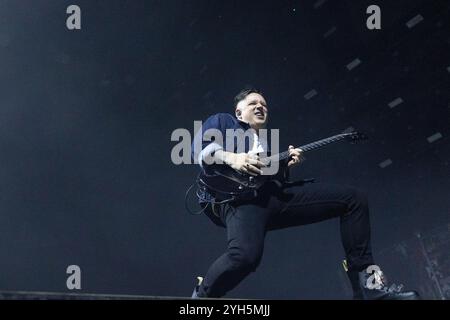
225	182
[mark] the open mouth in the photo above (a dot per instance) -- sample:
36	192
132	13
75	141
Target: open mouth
259	114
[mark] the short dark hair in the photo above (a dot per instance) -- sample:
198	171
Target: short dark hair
243	94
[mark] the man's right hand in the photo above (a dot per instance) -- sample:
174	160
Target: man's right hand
243	162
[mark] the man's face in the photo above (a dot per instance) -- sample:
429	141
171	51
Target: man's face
253	110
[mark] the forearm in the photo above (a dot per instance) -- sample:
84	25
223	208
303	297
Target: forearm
225	157
214	154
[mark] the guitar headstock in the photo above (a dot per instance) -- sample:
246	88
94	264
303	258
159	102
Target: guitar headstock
355	136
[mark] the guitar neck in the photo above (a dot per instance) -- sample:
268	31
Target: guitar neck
312	146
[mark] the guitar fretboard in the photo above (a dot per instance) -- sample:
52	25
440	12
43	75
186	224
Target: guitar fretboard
313	145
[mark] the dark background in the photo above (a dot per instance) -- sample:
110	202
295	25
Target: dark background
86	118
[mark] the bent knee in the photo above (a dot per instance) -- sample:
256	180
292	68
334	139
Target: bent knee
245	258
357	196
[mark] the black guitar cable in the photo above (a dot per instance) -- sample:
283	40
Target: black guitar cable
203	199
186	195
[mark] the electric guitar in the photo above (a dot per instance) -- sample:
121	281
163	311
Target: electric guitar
224	182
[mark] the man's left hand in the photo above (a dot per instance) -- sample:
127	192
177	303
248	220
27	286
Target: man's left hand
295	155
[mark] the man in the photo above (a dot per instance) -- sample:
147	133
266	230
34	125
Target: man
276	207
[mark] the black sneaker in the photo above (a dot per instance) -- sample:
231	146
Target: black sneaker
371	284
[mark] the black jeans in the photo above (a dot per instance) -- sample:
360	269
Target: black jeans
275	208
